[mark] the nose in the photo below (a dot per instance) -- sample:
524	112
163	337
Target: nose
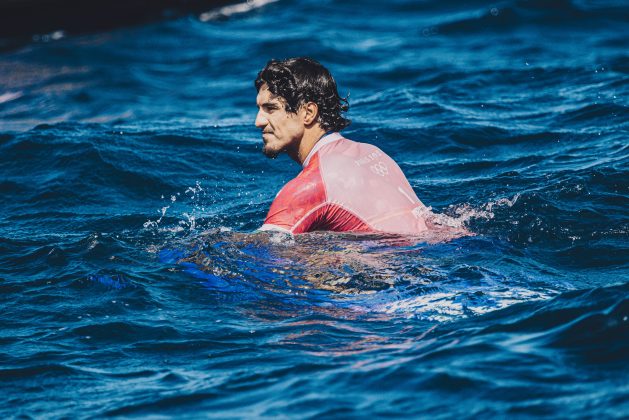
261	120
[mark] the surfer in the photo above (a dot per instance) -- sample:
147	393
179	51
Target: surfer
344	185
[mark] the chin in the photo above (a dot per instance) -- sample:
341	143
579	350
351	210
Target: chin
270	153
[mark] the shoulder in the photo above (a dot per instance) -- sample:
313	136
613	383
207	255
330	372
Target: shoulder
347	158
350	151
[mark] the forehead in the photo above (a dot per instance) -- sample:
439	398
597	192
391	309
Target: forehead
265	96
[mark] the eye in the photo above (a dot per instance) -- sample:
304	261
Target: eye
270	108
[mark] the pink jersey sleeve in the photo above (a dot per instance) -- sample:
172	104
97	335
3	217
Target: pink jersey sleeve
295	204
302	206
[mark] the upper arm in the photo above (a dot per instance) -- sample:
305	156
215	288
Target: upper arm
296	201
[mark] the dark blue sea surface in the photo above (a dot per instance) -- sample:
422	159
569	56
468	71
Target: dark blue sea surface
132	180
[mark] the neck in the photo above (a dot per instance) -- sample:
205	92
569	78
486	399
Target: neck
311	137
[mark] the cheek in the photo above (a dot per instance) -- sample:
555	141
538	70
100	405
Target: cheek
293	125
276	123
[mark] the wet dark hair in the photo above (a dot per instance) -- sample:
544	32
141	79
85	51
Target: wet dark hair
300	80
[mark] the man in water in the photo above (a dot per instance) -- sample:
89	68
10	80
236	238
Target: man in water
344	185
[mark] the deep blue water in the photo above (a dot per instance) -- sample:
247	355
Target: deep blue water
131	178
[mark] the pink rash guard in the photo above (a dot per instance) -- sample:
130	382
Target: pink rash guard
347	186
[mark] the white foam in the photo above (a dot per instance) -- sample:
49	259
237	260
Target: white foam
443	306
465	212
9	96
233	9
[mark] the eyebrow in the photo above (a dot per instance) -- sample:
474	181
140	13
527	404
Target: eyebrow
269	104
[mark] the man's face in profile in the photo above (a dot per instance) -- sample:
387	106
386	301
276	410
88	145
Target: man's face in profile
281	130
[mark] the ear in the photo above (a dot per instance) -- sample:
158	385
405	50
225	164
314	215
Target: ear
311	113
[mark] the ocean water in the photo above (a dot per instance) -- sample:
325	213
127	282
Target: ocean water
132	179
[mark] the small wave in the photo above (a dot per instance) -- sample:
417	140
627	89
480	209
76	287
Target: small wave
131	332
63	169
164	404
615	115
591	324
488	19
234	9
47	369
515	13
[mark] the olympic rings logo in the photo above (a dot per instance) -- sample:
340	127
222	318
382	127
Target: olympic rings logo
380	168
